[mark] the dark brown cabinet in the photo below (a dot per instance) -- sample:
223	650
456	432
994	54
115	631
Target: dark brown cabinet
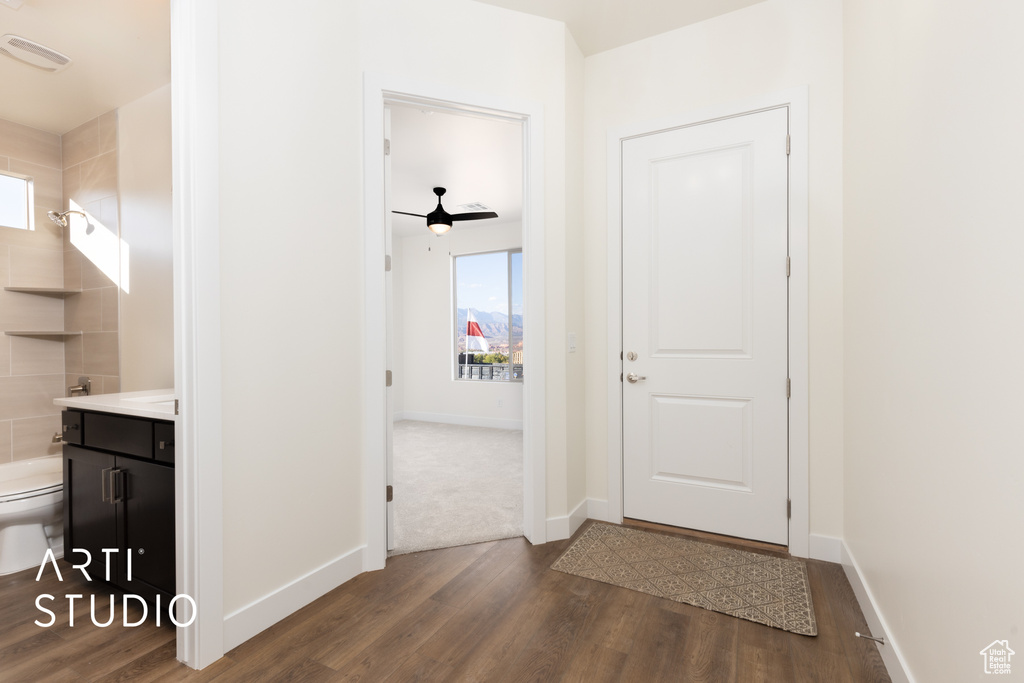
119	501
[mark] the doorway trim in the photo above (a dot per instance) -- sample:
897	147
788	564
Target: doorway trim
199	532
796	100
378	92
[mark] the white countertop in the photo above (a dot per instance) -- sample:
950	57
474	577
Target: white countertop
155	403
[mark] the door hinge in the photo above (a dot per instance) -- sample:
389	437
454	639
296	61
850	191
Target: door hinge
387	147
789	266
789	509
787	145
390	493
175	406
620	376
789	387
620	355
387	378
387	263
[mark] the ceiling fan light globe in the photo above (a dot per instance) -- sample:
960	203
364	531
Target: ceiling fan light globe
438	221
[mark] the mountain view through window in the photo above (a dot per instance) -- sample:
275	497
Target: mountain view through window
489	316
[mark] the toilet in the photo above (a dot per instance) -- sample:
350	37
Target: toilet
31	512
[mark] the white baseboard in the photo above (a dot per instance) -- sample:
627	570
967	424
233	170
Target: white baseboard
826	548
243	624
598	509
894	663
559	528
579	515
467	420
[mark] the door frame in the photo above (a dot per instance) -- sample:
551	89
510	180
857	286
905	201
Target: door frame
378	92
198	513
796	100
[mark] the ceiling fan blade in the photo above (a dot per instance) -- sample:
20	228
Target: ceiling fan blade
473	216
406	213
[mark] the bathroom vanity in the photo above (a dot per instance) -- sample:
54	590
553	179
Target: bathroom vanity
119	489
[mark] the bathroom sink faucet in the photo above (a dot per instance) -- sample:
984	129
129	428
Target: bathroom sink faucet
83	387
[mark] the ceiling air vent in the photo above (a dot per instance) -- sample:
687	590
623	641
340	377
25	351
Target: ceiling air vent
33	54
475	206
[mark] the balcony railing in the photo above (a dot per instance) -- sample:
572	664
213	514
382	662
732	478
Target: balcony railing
491	372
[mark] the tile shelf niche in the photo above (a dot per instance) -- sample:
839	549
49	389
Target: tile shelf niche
54	291
44	291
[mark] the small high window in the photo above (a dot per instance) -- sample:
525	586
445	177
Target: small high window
15	201
489	316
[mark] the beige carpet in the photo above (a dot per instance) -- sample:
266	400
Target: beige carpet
455	485
769	590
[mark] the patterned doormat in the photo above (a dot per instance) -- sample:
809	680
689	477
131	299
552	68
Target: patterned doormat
769	590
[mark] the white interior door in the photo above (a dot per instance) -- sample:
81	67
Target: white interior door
705	329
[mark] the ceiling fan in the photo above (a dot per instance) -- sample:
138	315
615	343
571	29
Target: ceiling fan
439	221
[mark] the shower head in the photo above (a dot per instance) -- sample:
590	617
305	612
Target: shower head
61	218
58	218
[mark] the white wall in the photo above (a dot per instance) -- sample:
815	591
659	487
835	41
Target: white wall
771	46
934	326
291	239
424	338
290	198
144	179
576	394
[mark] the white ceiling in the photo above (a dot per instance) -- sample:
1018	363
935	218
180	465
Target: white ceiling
599	25
120	51
474	159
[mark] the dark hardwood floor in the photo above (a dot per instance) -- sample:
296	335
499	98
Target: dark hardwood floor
486	612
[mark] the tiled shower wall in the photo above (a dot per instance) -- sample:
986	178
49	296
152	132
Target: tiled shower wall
90	184
77	170
31	368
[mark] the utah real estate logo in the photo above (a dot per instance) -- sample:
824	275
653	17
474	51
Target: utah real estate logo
997	657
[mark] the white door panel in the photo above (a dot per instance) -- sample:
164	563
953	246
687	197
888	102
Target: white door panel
702	295
703	441
705	299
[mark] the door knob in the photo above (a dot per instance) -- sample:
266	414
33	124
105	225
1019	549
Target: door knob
633	378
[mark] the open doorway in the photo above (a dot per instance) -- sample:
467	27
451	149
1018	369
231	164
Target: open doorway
379	93
455	329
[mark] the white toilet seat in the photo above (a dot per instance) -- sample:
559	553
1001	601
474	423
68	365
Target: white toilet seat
31	478
35	493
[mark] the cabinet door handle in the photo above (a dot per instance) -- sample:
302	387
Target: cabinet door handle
116	487
104	485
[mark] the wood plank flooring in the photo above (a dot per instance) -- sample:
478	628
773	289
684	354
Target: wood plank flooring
486	612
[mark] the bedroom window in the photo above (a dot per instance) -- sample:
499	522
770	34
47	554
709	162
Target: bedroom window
489	316
15	201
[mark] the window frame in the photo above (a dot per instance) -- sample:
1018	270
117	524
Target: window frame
455	313
30	201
